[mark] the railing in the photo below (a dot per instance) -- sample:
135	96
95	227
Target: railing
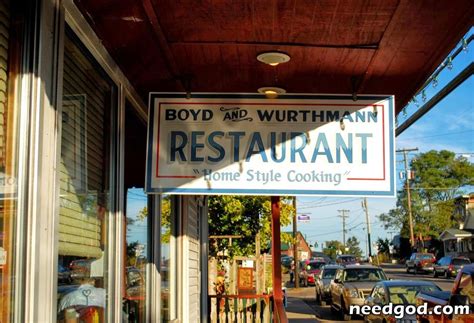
240	308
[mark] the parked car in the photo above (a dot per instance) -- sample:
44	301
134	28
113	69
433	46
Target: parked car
80	268
286	261
449	266
420	262
64	275
318	254
351	285
323	284
397	292
461	294
346	260
310	270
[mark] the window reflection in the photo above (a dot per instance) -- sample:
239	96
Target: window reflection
11	26
84	192
134	295
166	260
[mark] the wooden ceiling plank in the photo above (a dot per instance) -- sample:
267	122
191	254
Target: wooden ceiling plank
163	43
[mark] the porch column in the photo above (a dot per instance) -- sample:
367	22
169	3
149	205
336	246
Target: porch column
276	246
279	310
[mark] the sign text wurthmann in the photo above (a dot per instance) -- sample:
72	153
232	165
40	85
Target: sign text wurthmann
249	144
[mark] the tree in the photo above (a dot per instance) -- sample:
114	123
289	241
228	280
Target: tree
332	248
165	218
439	177
352	244
245	216
383	245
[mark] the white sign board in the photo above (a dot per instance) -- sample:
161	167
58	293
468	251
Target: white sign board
304	218
292	145
247	264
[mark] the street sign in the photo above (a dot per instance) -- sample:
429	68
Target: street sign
304	218
249	144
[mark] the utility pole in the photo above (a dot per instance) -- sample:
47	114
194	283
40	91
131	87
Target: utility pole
407	185
296	274
367	219
343	216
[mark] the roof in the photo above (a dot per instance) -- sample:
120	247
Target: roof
361	267
453	233
469	269
390	283
360	46
332	267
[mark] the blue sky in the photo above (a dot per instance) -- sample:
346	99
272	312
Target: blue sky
449	125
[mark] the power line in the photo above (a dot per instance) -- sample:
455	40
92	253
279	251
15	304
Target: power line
327	204
437	135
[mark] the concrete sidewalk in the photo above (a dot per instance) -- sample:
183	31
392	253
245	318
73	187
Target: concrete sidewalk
297	311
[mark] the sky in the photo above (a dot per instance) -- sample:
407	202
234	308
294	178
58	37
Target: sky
449	125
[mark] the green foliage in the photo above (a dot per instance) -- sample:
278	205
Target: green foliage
353	245
383	245
245	216
165	218
439	178
332	248
131	256
439	175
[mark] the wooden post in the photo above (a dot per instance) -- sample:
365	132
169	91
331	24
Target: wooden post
276	246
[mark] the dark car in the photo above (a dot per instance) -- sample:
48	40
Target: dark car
346	260
64	275
286	261
449	266
323	284
420	262
309	271
461	294
396	292
317	254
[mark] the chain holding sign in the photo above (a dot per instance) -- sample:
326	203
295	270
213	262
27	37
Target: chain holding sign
249	144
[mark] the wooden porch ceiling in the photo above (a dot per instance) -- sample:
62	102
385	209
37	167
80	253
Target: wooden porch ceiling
370	46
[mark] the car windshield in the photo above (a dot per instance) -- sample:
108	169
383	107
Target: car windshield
364	274
425	256
314	265
460	261
407	294
329	273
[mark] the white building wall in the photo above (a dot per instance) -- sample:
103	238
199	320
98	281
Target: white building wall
191	260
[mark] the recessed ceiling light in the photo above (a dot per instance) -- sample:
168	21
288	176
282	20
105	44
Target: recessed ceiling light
271	92
273	58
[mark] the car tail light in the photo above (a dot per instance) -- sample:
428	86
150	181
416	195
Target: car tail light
392	320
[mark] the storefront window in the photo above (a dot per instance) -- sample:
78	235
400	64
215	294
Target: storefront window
134	296
9	58
167	262
136	221
84	188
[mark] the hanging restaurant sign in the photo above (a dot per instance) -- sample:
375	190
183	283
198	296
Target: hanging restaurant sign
291	145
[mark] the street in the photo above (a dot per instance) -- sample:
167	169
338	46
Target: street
395	272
